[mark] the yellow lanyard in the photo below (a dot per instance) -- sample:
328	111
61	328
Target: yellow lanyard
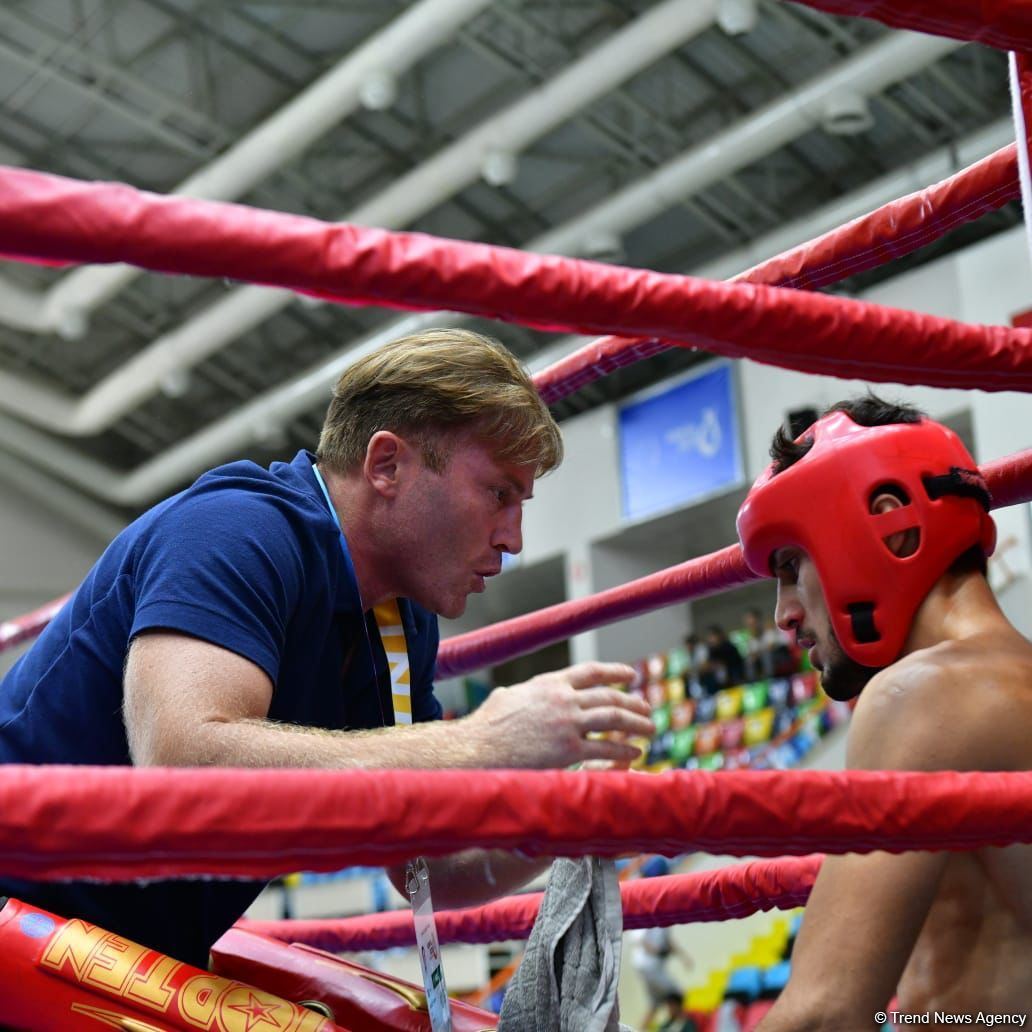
392	634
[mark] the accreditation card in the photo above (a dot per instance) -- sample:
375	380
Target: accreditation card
417	883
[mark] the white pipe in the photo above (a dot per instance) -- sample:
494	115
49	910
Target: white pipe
281	404
790	116
660	30
1023	133
281	137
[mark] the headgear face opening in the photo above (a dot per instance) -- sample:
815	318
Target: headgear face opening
821	504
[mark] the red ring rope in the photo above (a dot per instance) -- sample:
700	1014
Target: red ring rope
696	578
887	233
1006	24
43	216
919	217
718	895
897	228
59	822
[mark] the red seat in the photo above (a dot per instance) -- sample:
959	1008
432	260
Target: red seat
754	1013
732	733
707	739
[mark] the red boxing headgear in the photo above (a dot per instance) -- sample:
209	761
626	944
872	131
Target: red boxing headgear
821	504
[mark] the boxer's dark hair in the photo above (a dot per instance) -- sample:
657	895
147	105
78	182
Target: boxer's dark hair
865	410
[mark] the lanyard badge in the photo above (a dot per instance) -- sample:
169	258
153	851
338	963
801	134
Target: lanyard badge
392	632
417	883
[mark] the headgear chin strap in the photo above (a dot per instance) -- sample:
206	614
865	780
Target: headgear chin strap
821	504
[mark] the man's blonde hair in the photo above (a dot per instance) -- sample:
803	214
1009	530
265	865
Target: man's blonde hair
428	388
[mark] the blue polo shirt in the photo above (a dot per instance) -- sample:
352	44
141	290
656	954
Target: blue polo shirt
249	559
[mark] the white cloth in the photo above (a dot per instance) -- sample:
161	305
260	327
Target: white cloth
568	978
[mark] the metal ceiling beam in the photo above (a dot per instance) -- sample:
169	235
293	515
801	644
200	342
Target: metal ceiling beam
152	101
799	111
140	117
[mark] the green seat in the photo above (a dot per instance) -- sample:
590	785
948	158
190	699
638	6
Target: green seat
678	661
754	696
684	744
661	718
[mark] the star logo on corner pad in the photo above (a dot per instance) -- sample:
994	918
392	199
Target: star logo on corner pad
260	1013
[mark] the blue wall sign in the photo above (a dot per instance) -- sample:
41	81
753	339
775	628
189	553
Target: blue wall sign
681	445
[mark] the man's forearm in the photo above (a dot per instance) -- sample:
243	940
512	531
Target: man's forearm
551	721
475	876
265	743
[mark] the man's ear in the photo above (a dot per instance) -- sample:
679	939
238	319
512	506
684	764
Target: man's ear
386	456
903	542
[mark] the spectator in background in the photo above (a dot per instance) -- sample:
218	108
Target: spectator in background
767	649
783	661
652	949
698	676
677	1018
757	660
724	659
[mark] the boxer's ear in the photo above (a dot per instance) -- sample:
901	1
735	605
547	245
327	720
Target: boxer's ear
903	543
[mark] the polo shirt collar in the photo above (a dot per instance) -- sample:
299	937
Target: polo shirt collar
302	475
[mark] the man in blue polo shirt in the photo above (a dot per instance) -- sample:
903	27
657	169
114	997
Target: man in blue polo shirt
256	619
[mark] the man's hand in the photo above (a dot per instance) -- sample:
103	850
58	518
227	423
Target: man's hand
546	721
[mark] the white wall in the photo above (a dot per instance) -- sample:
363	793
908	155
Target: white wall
581	500
612	566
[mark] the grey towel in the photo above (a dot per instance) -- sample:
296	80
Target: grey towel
568	978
